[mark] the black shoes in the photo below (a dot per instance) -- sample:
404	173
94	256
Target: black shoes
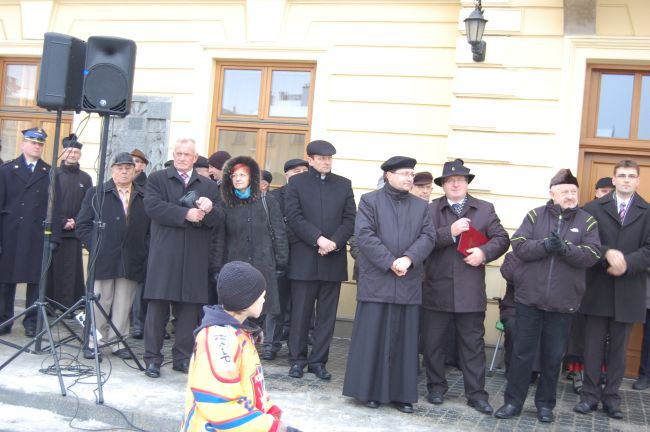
137	334
320	371
30	332
167	336
89	354
613	412
268	355
296	371
507	411
372	404
123	353
152	371
641	383
181	366
435	397
481	406
545	415
404	407
5	330
585	408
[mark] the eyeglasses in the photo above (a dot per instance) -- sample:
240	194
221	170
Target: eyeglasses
410	174
628	176
238	175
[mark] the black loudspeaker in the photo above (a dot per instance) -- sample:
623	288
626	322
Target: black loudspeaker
108	82
61	78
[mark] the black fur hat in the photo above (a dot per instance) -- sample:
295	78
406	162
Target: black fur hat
564	176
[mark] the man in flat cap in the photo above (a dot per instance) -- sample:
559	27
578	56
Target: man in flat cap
202	166
422	185
121	256
65	283
395	234
555	244
616	288
318	261
216	161
24	184
603	187
265	181
454	285
275	324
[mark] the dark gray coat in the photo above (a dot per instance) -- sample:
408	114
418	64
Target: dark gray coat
450	285
23	208
623	297
316	207
245	235
178	262
125	239
389	225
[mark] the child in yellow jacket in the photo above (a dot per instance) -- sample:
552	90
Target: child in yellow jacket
225	388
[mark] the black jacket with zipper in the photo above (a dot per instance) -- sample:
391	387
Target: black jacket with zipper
551	282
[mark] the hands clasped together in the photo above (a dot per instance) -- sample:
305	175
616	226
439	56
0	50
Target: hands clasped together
203	207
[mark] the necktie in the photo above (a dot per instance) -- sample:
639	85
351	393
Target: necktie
457	208
30	166
124	196
184	176
622	211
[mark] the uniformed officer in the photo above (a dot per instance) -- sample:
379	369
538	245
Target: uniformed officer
320	211
24	184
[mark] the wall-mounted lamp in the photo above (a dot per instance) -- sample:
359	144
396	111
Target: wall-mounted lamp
475	26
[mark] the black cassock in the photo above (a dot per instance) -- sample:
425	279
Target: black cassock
65	283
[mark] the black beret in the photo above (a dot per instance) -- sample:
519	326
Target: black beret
320	147
423	178
202	162
397	162
293	163
604	182
267	176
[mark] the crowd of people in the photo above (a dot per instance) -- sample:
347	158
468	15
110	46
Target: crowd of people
207	242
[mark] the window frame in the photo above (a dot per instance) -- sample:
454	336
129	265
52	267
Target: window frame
592	98
263	123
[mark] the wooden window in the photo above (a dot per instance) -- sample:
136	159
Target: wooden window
18	109
617	103
263	110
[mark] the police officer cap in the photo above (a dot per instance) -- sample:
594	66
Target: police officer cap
202	162
71	142
397	162
35	134
123	158
293	163
320	147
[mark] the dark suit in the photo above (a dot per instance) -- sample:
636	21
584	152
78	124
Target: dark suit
612	304
315	207
23	208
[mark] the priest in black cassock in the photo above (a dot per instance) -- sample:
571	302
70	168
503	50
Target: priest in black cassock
66	278
395	234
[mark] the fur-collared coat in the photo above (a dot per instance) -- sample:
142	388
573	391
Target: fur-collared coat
245	234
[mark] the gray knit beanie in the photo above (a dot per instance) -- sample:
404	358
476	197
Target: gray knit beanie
239	285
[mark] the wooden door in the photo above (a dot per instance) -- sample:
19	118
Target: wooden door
596	165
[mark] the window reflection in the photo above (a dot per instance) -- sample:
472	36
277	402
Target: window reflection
615	106
289	94
20	85
281	147
644	113
241	92
238	142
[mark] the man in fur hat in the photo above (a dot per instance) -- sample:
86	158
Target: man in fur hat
555	244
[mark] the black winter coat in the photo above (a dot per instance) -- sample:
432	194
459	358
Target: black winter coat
73	186
623	297
391	224
316	207
124	240
180	251
245	234
547	281
450	285
23	208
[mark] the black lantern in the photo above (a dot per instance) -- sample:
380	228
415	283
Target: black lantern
475	26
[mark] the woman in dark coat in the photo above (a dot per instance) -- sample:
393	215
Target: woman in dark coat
250	221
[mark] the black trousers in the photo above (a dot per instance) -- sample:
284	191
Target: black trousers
551	330
305	295
274	323
644	367
596	330
469	330
187	319
7	298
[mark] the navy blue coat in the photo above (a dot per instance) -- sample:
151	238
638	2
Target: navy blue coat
23	208
315	207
